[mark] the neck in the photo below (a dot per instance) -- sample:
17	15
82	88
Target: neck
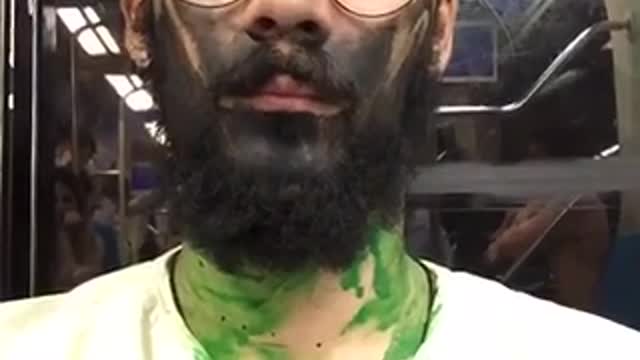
379	302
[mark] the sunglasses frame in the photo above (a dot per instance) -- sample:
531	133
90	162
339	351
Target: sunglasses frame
339	3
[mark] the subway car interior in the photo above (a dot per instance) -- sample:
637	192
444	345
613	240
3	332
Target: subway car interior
529	176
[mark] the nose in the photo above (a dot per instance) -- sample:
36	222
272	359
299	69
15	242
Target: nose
300	21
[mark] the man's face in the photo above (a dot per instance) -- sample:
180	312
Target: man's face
290	121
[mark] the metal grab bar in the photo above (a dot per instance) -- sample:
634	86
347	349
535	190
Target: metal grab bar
558	63
517	265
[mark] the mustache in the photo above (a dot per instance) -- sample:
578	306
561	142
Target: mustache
314	68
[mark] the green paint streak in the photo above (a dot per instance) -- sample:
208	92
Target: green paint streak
200	354
225	312
407	335
399	304
351	279
405	346
273	352
231	315
390	283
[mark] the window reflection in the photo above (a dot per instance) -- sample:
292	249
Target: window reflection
554	245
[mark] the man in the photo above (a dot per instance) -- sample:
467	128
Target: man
290	127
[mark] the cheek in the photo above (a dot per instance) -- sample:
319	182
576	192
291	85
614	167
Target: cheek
219	45
366	63
210	41
363	61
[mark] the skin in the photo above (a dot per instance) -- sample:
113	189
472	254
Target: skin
576	248
372	304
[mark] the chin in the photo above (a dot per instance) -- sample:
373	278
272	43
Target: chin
287	143
285	191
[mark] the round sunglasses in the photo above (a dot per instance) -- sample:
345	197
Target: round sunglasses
362	8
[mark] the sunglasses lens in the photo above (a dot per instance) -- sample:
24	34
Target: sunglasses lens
210	3
373	7
369	8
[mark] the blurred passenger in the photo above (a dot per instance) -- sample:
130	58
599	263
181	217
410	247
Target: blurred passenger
575	247
78	251
104	222
87	149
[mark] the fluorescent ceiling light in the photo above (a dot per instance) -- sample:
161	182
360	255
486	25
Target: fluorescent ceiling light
136	80
10	101
140	100
129	87
120	83
92	15
90	43
93	41
108	40
72	18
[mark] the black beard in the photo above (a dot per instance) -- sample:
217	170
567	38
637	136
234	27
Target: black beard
282	221
273	219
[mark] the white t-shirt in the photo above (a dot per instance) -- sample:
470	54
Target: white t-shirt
131	315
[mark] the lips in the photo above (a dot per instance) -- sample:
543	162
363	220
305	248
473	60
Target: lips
282	93
286	86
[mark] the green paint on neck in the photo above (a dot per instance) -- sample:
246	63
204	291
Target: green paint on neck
399	304
232	315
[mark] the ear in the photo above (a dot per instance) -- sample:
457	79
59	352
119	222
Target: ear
137	32
443	34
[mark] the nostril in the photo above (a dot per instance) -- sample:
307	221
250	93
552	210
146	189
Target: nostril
309	27
265	24
262	28
267	28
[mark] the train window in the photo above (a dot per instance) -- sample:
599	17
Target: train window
526	175
534	188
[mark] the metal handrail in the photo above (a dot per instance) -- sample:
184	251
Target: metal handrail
569	52
517	265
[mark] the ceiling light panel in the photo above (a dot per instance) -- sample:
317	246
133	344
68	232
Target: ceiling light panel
120	84
92	15
140	100
91	43
72	18
108	40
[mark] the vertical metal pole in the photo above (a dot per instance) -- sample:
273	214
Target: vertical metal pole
122	177
4	25
75	148
33	233
4	56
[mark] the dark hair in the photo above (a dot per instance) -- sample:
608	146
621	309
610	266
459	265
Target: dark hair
86	139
